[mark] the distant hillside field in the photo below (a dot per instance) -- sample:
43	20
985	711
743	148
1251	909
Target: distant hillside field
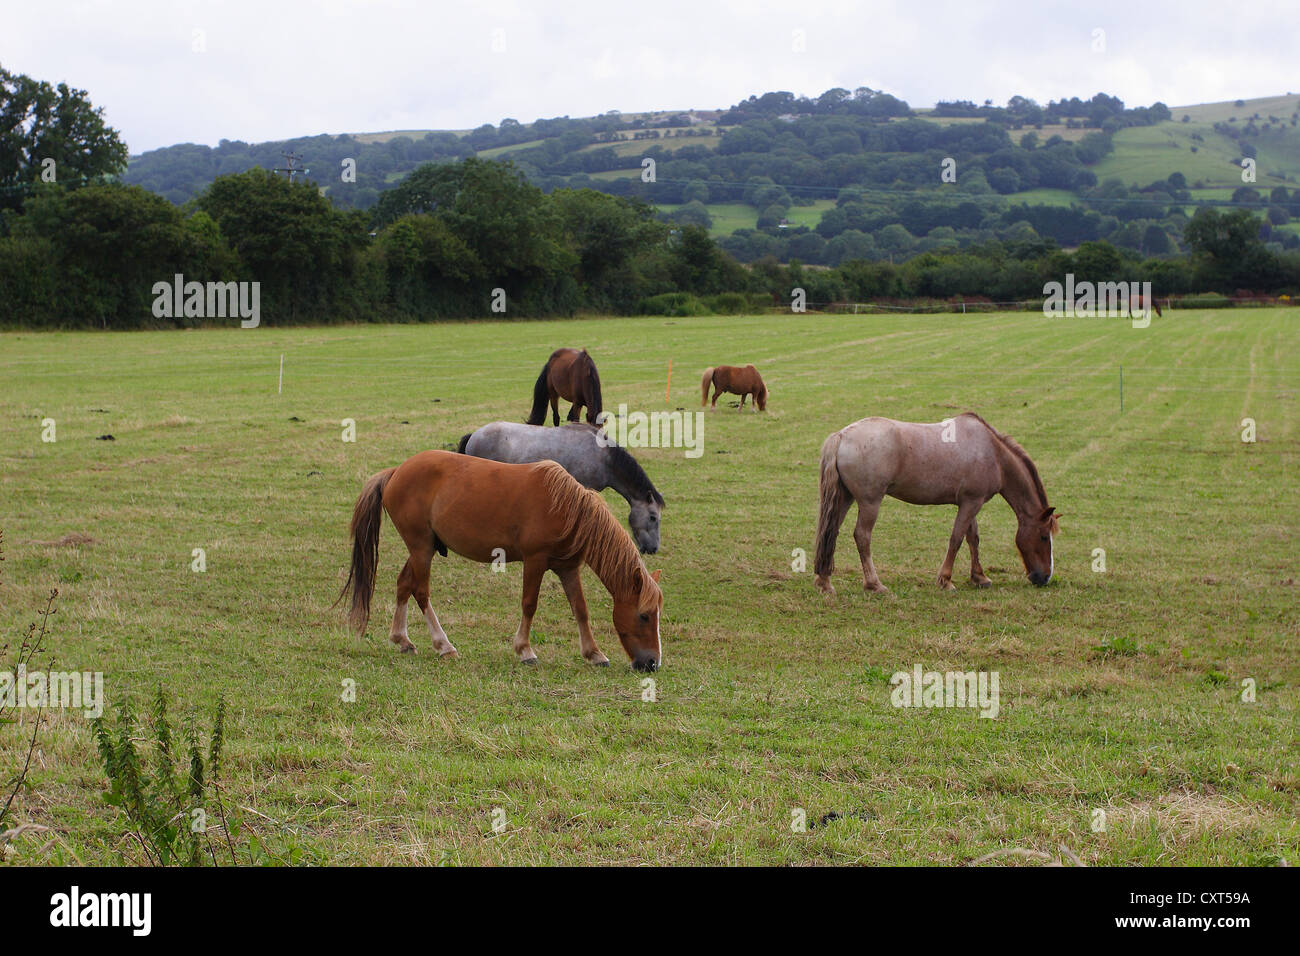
782	176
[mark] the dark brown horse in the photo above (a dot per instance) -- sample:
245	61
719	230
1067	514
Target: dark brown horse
738	381
568	374
489	511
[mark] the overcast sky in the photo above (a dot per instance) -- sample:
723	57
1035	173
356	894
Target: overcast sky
266	70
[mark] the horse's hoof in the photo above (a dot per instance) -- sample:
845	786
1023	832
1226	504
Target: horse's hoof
530	661
878	589
408	649
982	583
825	586
604	663
450	655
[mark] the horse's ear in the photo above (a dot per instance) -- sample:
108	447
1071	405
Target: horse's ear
1047	513
655	575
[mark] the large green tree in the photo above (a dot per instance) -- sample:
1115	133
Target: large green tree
1230	251
511	230
107	246
51	133
291	239
604	231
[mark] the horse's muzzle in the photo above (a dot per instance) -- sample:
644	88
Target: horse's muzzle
1038	579
647	663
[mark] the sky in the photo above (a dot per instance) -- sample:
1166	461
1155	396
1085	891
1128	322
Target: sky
205	70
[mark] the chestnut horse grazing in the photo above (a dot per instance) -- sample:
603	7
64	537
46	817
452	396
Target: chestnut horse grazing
960	461
488	510
568	374
736	380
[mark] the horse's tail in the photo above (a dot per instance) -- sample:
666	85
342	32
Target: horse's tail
594	406
366	517
541	394
704	386
464	440
835	501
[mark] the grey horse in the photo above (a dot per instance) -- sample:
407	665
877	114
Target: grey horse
586	454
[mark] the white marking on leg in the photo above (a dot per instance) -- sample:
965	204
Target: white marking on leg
440	642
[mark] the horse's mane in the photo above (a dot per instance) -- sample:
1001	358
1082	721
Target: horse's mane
1013	446
629	469
624	465
596	534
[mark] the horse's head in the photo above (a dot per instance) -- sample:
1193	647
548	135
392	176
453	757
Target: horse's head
644	521
1034	539
636	619
761	397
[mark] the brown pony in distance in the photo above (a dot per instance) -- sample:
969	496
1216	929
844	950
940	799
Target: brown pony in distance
568	374
736	380
960	461
486	511
1137	305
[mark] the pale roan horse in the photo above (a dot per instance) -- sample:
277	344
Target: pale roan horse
960	461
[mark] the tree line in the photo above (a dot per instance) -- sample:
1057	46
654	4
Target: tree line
470	237
476	239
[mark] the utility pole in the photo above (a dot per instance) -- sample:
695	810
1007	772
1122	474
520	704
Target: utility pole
290	168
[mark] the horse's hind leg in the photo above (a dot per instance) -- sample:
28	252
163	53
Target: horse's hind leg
575	412
868	511
977	575
419	563
405	588
966	512
717	391
741	406
572	581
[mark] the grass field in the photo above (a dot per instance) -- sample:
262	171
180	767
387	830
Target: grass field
728	217
1120	690
1145	154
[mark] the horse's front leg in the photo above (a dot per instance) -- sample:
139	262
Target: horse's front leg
571	578
534	568
977	575
966	512
555	409
743	396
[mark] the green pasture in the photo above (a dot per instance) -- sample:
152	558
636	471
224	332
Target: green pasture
1122	732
